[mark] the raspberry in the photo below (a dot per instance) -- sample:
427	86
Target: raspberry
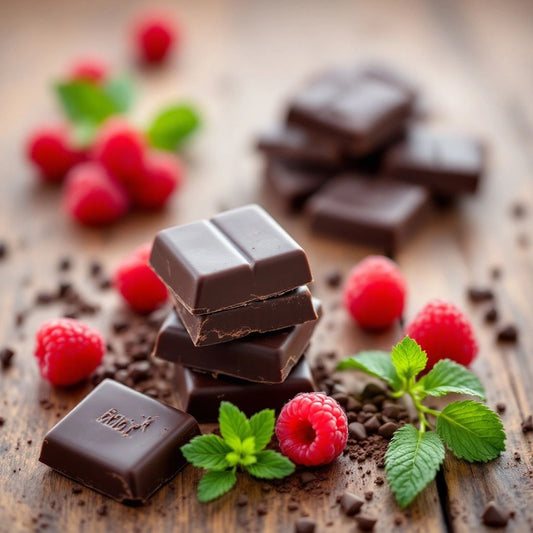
163	174
120	149
91	196
444	332
375	292
138	283
154	36
49	149
90	69
312	429
67	351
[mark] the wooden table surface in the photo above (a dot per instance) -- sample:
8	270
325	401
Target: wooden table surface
474	61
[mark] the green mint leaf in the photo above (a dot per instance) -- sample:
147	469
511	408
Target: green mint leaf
412	461
471	430
173	126
121	92
83	101
448	376
248	446
214	484
373	362
262	428
207	451
234	425
270	465
408	358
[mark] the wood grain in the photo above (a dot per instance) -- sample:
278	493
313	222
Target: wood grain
241	60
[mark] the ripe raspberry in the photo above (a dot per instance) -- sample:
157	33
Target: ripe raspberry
91	196
120	149
312	429
163	174
138	283
444	332
67	351
375	292
90	69
154	35
49	149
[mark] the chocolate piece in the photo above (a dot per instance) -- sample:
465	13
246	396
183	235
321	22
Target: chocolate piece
359	111
351	504
234	258
266	358
445	164
6	356
305	525
200	394
261	316
387	430
365	522
334	278
508	333
380	212
298	146
479	294
119	442
491	315
494	515
293	183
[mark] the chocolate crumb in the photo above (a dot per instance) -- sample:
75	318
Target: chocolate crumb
262	509
365	522
2	421
369	494
64	264
307	477
495	272
101	510
508	333
333	278
491	315
6	356
501	407
292	506
479	294
350	503
494	515
379	481
3	250
398	520
77	490
95	268
517	457
527	424
242	500
29	441
304	525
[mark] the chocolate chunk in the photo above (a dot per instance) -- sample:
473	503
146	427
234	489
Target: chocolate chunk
374	212
369	408
508	333
365	522
6	356
304	525
234	258
372	425
494	515
491	315
479	294
527	424
351	504
138	443
387	430
392	410
63	289
333	278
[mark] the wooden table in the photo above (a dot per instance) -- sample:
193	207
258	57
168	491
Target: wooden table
240	60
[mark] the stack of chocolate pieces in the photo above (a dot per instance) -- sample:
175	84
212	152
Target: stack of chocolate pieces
243	315
351	154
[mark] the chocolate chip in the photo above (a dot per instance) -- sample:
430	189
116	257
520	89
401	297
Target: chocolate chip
391	410
372	425
372	390
353	405
501	407
333	278
387	430
494	515
517	457
379	481
242	500
527	424
350	503
479	294
304	525
357	431
491	315
369	408
507	333
6	356
365	522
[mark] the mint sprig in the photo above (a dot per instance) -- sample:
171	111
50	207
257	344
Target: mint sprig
241	447
471	430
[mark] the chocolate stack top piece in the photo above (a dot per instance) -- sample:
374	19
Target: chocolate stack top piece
234	258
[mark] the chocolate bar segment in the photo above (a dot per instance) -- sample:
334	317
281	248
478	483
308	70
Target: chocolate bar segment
279	312
266	358
234	258
445	164
119	442
200	394
360	111
375	212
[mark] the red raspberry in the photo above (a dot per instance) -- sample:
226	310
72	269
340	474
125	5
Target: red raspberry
49	149
444	332
91	196
138	283
163	174
67	351
90	69
120	149
312	429
375	292
154	35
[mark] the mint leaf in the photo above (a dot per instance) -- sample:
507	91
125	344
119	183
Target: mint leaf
471	430
83	101
408	358
120	91
234	425
373	362
172	126
207	451
448	376
262	428
412	461
270	465
214	484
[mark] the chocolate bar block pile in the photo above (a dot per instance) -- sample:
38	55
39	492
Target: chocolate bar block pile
243	315
352	156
